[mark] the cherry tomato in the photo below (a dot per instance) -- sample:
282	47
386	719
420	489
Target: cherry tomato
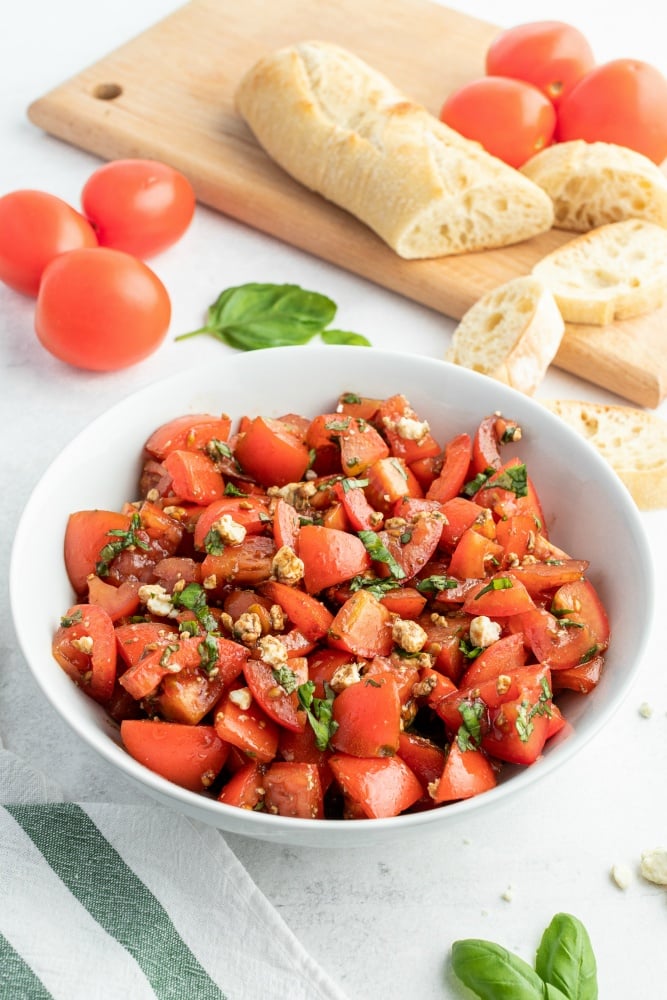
511	119
140	206
551	55
34	228
624	102
101	309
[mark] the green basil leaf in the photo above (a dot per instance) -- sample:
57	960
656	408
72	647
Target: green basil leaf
566	960
380	553
255	316
494	973
344	337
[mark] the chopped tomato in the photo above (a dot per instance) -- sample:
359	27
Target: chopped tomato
249	729
271	694
245	789
453	474
368	716
466	773
118	602
87	532
380	786
271	452
194	477
190	756
330	557
188	433
408	436
390	479
293	789
362	626
501	596
310	616
85	647
250	512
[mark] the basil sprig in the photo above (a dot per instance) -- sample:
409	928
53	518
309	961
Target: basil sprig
379	552
254	316
565	967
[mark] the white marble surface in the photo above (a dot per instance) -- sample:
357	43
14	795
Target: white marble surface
380	920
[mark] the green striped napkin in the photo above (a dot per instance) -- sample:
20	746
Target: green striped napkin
106	901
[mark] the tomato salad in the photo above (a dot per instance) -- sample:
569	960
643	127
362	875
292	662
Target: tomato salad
330	617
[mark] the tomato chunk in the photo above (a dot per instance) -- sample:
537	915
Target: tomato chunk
380	786
368	715
190	756
330	557
85	647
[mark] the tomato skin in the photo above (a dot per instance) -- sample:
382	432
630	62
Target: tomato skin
511	119
293	788
87	532
35	227
466	773
368	715
380	786
623	102
552	55
101	309
139	206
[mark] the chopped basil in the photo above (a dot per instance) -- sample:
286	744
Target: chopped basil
208	655
469	735
344	337
233	491
286	678
218	449
473	485
193	598
351	398
319	712
469	651
405	537
189	627
338	425
434	584
352	484
380	553
400	468
165	659
515	479
68	620
125	539
374	585
498	583
213	543
589	654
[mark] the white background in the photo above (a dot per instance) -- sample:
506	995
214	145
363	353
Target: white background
380	920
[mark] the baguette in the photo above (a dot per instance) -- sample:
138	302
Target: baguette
343	130
613	272
594	183
511	334
633	441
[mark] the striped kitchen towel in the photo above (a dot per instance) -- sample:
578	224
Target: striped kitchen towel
103	901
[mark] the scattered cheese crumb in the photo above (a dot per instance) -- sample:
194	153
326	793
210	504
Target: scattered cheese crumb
241	697
645	710
654	865
84	644
248	627
409	635
483	631
621	875
157	600
344	676
286	566
508	894
229	530
273	650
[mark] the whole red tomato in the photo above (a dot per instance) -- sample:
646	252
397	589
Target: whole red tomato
511	119
140	206
624	102
34	228
552	55
101	309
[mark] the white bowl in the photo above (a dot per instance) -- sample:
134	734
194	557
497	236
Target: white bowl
589	513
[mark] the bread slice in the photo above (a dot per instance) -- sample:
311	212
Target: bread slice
511	334
613	272
344	131
633	441
594	183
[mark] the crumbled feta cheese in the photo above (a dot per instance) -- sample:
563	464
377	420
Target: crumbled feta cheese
344	676
621	875
483	631
158	600
408	428
229	530
409	635
273	650
286	566
645	710
84	644
295	494
277	618
654	865
241	697
248	627
210	582
508	894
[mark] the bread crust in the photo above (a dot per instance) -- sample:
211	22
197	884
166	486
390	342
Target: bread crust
343	130
512	334
633	441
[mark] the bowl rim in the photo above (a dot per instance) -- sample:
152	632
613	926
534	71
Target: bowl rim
261	825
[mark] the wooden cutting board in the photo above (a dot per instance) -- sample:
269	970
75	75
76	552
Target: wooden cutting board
168	94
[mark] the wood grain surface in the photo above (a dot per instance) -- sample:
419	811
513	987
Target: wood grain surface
169	94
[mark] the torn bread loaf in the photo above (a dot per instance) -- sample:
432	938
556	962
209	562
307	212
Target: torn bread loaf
612	272
343	130
511	334
594	183
633	441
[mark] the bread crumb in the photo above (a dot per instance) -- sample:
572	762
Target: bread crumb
653	865
621	875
